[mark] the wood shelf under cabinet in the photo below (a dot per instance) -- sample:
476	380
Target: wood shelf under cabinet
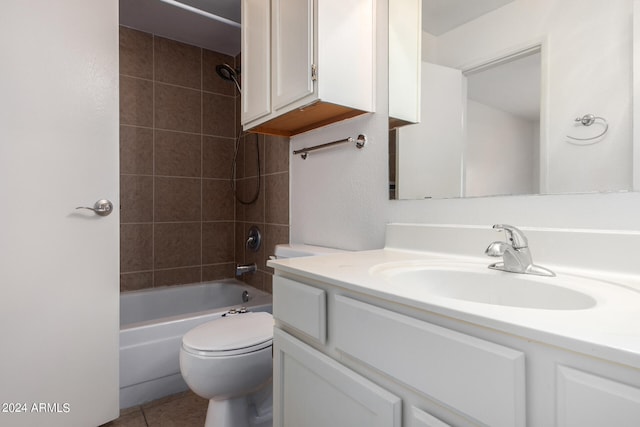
306	118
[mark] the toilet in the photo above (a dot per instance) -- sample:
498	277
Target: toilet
229	361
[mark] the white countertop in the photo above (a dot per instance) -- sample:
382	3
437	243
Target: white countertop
610	330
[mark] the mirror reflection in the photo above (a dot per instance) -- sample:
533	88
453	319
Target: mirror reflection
501	84
503	122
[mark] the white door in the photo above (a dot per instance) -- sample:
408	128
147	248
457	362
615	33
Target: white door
58	265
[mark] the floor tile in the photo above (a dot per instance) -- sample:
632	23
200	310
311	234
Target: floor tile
182	410
179	410
132	417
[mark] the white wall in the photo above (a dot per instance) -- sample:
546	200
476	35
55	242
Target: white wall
339	197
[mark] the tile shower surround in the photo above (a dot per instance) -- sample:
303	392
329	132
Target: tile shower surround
180	222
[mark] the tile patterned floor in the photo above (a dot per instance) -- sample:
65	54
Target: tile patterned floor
180	410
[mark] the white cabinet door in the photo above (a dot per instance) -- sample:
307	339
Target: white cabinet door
292	50
587	400
59	269
422	419
405	44
312	390
256	61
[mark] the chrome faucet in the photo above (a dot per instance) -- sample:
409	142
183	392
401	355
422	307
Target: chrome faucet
516	257
246	268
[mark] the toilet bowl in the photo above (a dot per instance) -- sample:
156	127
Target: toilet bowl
229	362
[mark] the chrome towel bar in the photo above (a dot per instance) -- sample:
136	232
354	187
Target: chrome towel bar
360	142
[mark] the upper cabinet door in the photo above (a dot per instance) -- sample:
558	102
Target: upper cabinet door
293	54
405	45
316	68
256	62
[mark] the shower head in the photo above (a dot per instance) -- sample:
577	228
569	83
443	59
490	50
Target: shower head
226	72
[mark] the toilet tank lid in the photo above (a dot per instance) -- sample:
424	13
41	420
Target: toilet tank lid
294	250
231	332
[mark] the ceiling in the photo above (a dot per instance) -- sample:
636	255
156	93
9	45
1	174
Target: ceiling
229	9
215	25
211	24
440	16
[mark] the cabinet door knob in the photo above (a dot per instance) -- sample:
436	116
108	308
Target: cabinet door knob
102	207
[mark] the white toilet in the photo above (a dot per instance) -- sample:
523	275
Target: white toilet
229	362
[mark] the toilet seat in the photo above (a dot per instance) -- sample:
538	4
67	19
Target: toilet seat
230	335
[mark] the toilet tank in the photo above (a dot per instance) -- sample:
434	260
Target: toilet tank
295	250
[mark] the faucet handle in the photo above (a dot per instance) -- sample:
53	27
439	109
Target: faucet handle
254	239
515	236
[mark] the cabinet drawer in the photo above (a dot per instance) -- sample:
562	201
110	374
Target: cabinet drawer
476	378
301	307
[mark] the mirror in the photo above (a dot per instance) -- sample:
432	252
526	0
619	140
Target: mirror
500	95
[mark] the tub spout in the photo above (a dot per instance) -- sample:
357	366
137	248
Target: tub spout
246	268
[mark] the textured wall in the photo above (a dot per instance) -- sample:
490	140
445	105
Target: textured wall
178	127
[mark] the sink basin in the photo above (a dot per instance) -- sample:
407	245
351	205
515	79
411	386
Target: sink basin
478	284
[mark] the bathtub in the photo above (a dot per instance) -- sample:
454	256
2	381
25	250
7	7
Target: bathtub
152	323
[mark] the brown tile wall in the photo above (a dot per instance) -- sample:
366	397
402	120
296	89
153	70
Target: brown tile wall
180	222
270	212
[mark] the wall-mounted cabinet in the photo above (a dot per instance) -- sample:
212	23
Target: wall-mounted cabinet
306	63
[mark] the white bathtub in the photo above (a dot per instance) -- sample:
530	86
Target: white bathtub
152	323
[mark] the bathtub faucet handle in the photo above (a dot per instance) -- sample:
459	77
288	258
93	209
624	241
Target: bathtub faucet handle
254	239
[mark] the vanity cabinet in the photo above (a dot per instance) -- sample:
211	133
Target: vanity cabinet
306	63
346	358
